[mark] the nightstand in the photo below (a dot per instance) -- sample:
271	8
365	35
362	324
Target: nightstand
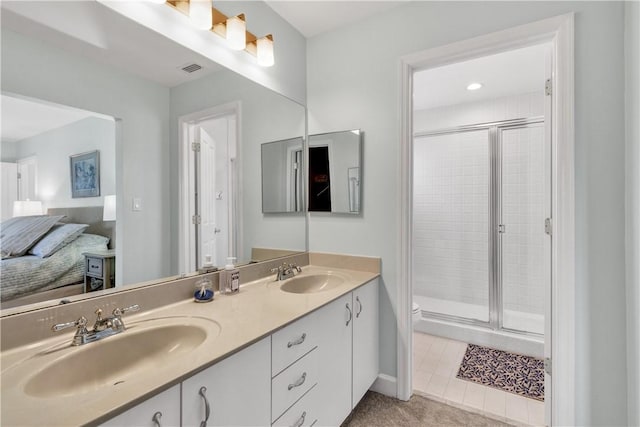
100	270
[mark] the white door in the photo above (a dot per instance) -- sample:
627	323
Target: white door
9	183
548	259
213	193
27	178
207	228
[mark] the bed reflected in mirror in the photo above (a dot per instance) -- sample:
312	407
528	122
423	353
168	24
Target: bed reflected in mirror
52	207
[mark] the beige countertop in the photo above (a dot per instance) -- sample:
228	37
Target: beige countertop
258	310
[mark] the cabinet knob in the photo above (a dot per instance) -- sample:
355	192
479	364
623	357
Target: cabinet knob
207	409
298	341
350	314
156	419
300	420
299	382
359	307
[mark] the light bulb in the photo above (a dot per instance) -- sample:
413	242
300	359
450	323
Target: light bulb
264	47
200	13
474	86
236	33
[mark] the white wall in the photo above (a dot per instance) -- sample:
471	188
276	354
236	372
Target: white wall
632	91
34	69
353	82
52	150
265	117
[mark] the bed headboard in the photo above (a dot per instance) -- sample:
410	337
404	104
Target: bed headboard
91	215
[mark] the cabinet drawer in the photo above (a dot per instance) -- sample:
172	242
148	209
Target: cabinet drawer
292	383
94	266
302	414
292	342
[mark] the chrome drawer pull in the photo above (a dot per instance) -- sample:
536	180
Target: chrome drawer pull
350	315
359	307
299	382
300	420
156	419
297	342
207	410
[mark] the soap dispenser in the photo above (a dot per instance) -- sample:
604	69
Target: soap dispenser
230	277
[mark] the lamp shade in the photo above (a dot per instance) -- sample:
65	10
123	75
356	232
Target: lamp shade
27	207
264	48
109	210
201	14
236	33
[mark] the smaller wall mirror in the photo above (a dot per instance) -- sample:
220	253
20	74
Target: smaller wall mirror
282	176
335	172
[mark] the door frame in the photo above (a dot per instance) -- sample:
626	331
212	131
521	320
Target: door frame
185	169
559	31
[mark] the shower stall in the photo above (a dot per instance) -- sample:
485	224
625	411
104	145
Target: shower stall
481	253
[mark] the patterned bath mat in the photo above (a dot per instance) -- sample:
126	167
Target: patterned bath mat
510	372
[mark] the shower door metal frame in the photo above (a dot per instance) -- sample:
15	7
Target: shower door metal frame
496	308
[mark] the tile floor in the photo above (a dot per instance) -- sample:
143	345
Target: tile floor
435	364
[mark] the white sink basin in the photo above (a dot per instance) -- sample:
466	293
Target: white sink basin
142	349
312	283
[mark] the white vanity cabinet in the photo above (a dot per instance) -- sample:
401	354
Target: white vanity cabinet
313	371
162	410
365	339
348	352
237	390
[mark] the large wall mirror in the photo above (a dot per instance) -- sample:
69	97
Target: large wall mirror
142	125
283	176
335	172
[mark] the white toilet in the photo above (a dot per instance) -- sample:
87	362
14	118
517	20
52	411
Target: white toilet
416	313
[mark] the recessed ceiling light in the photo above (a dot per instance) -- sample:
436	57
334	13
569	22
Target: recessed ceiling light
474	86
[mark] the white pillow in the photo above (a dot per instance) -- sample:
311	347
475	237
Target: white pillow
59	236
18	234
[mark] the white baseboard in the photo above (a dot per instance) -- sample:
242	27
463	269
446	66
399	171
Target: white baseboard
385	384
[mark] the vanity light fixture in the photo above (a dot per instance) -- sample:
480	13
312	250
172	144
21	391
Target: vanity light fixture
233	29
201	14
236	32
474	86
264	51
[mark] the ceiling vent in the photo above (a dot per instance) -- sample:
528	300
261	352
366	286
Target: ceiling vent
191	68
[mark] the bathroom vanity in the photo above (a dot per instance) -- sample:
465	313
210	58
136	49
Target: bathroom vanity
300	351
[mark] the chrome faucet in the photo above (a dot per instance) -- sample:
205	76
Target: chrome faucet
102	328
285	271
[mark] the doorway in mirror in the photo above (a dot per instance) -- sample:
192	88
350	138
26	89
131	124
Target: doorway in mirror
211	199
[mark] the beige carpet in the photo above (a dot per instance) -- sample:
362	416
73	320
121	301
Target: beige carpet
378	410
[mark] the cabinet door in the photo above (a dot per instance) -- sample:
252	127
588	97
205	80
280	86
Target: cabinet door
365	339
334	387
161	410
238	390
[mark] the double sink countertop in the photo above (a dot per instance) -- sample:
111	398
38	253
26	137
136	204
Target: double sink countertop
50	382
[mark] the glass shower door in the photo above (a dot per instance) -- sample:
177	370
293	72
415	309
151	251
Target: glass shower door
451	199
523	207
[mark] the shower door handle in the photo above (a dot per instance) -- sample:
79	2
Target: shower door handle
501	229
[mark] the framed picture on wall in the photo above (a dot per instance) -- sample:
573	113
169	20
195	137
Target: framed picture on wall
85	174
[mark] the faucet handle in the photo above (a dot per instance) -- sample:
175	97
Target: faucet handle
80	324
120	311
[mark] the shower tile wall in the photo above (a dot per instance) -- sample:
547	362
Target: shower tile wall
451	206
451	214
